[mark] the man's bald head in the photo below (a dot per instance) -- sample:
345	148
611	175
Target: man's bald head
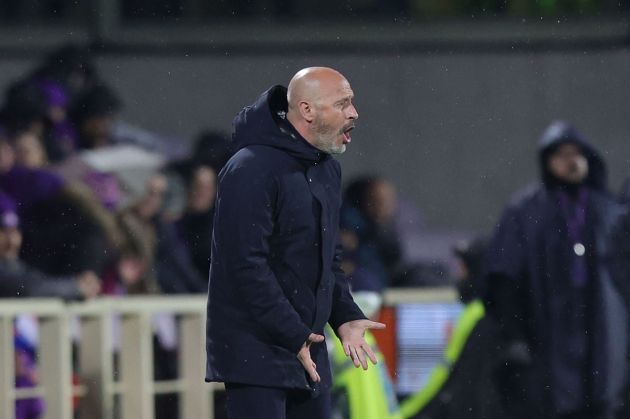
312	83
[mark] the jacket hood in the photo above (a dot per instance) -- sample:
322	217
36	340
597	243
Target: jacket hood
264	123
561	132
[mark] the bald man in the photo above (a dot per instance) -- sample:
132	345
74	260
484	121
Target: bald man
275	275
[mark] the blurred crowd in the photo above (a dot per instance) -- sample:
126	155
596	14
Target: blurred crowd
91	205
89	198
100	207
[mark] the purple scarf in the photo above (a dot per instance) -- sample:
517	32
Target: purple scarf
574	214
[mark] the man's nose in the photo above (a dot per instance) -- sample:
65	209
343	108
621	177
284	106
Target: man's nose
352	112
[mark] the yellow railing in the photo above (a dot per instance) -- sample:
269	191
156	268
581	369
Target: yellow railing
135	386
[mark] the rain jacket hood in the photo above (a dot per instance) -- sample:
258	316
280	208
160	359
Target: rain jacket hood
264	123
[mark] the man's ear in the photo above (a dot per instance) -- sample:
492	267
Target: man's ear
306	111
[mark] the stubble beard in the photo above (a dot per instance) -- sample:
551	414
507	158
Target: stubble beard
325	137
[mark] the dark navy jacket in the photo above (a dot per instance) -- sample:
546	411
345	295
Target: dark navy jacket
275	273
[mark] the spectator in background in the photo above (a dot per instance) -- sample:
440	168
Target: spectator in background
29	150
372	236
71	67
24	109
211	149
195	225
371	242
93	115
463	386
153	256
18	280
65	231
620	246
620	258
26	376
563	322
135	273
61	138
39	107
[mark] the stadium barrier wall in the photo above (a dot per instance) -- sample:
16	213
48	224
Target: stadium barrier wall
132	383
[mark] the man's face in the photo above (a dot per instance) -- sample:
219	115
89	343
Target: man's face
7	156
381	204
202	190
151	202
10	243
97	130
568	164
29	150
334	117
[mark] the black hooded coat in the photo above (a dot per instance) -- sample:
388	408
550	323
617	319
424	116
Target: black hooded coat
576	335
275	273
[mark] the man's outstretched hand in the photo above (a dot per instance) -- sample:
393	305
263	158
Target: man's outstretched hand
352	336
305	356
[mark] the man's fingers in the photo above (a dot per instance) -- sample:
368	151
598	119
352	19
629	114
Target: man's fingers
317	377
310	367
368	350
315	338
355	356
313	373
346	349
375	325
361	357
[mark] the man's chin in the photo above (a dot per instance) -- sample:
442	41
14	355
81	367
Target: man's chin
575	180
338	150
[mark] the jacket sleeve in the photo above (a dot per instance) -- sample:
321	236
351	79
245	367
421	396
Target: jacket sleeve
344	309
27	282
65	288
173	264
244	223
619	253
505	271
506	253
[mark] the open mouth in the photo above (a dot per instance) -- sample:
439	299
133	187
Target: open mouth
346	134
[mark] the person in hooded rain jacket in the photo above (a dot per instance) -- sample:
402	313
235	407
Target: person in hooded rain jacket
563	320
275	276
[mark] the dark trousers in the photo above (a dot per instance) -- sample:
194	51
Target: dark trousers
252	402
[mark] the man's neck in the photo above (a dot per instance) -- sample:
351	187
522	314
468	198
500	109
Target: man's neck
572	190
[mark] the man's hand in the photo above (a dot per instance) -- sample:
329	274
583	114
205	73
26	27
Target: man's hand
352	338
305	356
